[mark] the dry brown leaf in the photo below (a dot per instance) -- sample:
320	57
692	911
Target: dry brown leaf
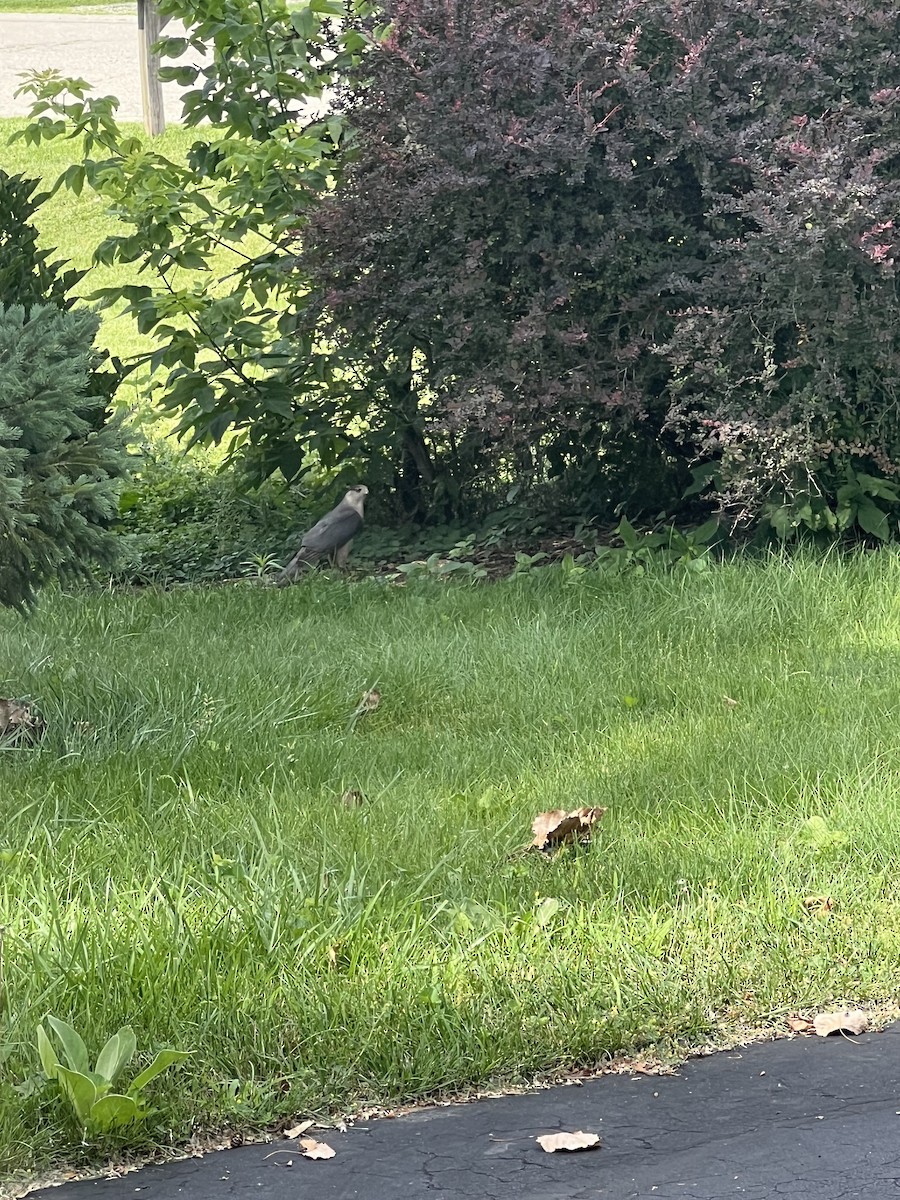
557	826
729	703
551	1142
298	1129
352	798
310	1148
19	722
847	1021
799	1025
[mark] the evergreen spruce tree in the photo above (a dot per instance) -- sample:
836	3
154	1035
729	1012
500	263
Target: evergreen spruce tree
28	275
62	452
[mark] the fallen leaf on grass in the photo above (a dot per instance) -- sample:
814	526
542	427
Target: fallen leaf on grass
551	1142
19	722
848	1021
800	1025
310	1148
557	826
298	1129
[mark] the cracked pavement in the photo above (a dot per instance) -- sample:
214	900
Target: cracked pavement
803	1119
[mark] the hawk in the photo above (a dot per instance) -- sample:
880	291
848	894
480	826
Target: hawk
331	536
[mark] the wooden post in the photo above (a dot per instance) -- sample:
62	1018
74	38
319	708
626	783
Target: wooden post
150	26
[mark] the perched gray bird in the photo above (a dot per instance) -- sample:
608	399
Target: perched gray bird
332	536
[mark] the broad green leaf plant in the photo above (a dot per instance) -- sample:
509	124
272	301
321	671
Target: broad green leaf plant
98	1108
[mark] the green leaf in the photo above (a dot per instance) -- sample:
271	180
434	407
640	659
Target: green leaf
184	76
163	1060
81	1092
305	22
75	178
129	498
877	487
113	1111
844	515
172	47
354	41
545	910
74	1049
703	476
72	178
872	519
191	260
116	1054
781	520
628	534
49	1061
707	531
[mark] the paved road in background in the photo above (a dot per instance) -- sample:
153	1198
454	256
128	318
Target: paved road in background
805	1119
101	49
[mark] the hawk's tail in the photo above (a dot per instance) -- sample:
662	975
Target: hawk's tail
302	561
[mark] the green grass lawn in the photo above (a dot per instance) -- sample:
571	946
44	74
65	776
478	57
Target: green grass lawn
175	855
62	6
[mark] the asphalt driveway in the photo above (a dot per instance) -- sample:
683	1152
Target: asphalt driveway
803	1119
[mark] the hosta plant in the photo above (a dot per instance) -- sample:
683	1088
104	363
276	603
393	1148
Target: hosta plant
97	1106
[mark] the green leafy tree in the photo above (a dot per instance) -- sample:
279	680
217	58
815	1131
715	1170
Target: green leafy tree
233	354
28	273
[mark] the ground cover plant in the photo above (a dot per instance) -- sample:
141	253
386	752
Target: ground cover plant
208	846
